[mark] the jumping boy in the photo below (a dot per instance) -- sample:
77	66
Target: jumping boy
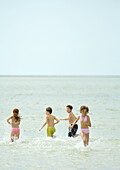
71	117
50	122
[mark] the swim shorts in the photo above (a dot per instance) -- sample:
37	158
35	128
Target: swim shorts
73	131
50	131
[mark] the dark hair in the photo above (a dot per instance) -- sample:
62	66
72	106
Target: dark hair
16	116
49	109
71	107
84	107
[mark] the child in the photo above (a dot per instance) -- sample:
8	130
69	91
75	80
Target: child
71	117
85	124
15	122
50	122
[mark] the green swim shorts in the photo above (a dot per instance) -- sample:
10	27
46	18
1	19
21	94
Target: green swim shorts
50	131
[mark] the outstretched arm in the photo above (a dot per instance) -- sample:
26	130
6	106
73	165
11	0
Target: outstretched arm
9	119
57	121
75	122
44	123
65	118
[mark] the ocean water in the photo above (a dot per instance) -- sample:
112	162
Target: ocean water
34	150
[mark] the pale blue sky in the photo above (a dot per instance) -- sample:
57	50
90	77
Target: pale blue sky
65	37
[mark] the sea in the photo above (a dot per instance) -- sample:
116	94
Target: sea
34	150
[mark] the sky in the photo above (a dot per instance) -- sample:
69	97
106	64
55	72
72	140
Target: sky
60	37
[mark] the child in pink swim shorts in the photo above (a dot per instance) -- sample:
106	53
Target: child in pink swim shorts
85	124
15	122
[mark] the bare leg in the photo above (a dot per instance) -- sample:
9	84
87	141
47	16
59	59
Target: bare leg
76	135
84	138
17	135
87	136
12	137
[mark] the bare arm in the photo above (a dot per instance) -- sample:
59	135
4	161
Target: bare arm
44	123
9	119
57	121
65	118
89	122
75	122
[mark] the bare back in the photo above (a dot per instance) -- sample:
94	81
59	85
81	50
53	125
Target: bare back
72	118
50	120
15	124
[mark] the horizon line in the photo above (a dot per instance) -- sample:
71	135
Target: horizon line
35	75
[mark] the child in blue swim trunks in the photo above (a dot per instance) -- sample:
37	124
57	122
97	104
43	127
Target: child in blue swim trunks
50	122
71	118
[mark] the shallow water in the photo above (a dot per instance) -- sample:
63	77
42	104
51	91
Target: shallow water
34	150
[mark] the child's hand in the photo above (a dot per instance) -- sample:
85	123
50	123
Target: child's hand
70	127
40	129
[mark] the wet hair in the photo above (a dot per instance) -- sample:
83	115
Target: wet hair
17	112
49	109
84	107
71	107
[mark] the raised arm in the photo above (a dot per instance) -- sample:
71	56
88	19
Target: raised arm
9	119
44	123
57	121
75	122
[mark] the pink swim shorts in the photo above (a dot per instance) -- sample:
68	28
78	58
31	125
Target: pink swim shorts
15	130
84	131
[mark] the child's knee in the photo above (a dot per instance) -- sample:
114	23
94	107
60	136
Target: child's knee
84	140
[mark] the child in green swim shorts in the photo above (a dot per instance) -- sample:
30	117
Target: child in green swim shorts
50	122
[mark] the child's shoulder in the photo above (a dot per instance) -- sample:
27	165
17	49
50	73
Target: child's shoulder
88	116
53	116
72	113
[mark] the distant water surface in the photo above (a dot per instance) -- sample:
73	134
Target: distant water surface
34	150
